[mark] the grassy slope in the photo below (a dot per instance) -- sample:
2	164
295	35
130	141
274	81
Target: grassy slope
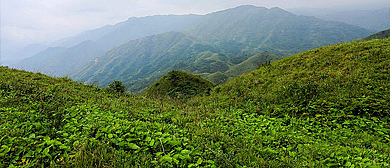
55	121
218	77
138	61
246	66
251	63
336	74
380	35
230	35
257	29
179	84
324	107
321	108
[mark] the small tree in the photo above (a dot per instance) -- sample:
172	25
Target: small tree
117	86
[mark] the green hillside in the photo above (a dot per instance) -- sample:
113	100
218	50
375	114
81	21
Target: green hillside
380	35
327	107
86	46
251	63
346	77
34	63
178	84
321	108
47	121
373	19
256	29
111	36
213	44
148	59
60	61
218	77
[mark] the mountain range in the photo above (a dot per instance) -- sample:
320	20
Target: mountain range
377	20
380	35
229	37
61	61
140	50
326	107
109	36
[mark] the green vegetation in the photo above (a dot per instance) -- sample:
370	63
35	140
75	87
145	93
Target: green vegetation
256	29
217	77
48	121
376	19
140	61
324	107
179	85
380	35
251	63
61	61
244	67
85	47
327	107
117	86
215	43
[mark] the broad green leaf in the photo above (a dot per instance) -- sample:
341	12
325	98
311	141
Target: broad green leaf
32	136
166	158
133	146
199	162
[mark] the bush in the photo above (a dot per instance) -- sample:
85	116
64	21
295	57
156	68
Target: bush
117	86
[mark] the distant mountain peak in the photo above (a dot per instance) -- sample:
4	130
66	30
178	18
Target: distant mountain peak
249	7
245	6
242	8
276	8
280	10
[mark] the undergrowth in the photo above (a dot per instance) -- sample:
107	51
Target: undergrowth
327	107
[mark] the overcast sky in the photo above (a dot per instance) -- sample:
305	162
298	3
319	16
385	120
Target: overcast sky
35	21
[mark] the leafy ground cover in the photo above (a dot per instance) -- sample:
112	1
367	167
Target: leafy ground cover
327	107
57	122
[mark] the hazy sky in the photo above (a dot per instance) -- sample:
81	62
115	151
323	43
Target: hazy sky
35	21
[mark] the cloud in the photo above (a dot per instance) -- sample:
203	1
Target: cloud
32	21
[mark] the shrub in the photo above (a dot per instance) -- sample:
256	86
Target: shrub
117	86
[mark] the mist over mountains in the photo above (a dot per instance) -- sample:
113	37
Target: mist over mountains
108	37
377	20
140	50
242	87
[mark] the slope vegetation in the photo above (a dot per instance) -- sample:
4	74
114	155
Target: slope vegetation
255	29
47	121
60	61
380	35
85	47
377	19
178	84
251	63
327	107
346	77
147	58
213	44
34	63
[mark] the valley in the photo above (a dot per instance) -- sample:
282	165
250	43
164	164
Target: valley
240	87
159	44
